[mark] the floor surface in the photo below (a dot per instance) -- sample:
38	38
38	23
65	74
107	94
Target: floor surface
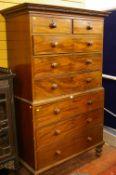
87	164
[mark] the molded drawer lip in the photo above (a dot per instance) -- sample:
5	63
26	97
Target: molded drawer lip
57	64
44	44
63	84
51	24
68	107
87	25
56	131
76	143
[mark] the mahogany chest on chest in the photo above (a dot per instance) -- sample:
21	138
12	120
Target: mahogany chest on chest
56	53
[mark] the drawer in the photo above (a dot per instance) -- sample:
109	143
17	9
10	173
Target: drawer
66	83
87	26
68	107
51	24
59	130
54	65
45	44
69	146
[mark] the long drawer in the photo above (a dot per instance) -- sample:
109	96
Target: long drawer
59	130
64	84
54	65
66	147
68	107
44	44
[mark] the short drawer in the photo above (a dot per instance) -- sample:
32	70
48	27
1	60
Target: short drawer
45	44
87	26
54	65
66	83
51	24
59	130
69	146
68	107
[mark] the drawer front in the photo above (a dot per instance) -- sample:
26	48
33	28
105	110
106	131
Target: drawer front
56	131
56	86
54	65
62	44
87	26
51	24
68	146
68	107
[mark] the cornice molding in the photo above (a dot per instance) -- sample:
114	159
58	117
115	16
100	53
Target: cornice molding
30	7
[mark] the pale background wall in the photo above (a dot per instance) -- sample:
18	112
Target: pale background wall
100	4
8	3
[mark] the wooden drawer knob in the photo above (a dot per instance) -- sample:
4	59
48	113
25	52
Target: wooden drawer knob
88	61
54	65
88	80
57	132
89	139
37	110
58	152
53	25
90	102
71	97
89	27
54	44
89	120
57	111
90	43
54	86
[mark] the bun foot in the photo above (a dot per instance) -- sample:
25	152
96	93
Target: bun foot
99	150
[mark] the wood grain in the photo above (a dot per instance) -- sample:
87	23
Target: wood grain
43	24
49	155
65	83
44	44
88	26
58	64
55	132
56	53
45	114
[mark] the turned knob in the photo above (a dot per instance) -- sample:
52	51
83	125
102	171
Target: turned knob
89	27
53	25
57	111
57	132
54	44
88	80
71	96
90	102
90	43
89	120
54	65
88	61
54	86
89	139
37	110
58	152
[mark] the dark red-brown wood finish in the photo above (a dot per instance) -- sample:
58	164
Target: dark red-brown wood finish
56	53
